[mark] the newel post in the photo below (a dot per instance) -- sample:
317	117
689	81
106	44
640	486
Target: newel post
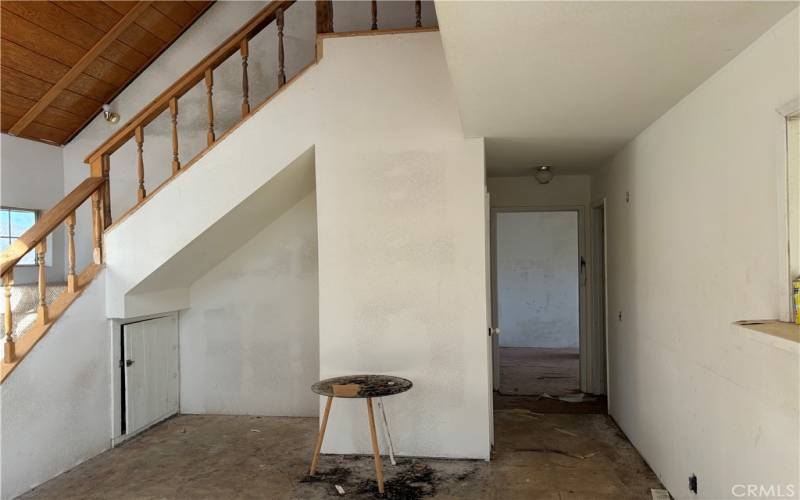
97	170
324	16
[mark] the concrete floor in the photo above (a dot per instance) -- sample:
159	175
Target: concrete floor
534	370
537	456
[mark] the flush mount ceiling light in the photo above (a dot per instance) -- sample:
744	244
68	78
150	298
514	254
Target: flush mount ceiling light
109	115
543	174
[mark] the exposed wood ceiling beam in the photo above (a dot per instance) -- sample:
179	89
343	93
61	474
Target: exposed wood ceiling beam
79	66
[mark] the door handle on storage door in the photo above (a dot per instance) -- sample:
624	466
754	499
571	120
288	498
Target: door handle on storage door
128	362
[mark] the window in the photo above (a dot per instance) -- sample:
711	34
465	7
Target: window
13	223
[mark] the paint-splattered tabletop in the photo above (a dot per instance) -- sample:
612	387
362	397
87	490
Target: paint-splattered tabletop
361	386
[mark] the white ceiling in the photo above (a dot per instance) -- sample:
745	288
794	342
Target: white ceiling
569	83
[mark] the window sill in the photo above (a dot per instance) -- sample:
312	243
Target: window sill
780	334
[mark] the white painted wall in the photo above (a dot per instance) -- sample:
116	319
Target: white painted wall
537	279
400	198
56	406
250	340
694	250
31	176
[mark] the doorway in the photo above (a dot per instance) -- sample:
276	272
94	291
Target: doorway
537	294
148	374
598	365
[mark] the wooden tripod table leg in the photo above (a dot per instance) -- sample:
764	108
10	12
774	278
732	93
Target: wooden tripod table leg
321	436
375	449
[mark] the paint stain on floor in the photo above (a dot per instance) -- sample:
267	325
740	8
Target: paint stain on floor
242	457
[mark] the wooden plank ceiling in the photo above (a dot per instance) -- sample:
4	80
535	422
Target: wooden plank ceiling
60	61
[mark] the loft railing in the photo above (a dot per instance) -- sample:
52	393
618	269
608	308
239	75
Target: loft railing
97	186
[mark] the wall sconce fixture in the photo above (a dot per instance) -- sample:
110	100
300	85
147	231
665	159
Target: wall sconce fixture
543	174
109	115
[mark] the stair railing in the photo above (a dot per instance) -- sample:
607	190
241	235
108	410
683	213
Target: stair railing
35	239
97	186
99	159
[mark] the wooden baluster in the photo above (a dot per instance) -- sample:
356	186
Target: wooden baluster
281	69
97	253
141	193
8	348
324	16
106	191
374	14
244	50
72	280
209	92
41	311
173	111
418	12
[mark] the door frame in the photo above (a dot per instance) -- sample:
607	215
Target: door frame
585	348
117	372
599	297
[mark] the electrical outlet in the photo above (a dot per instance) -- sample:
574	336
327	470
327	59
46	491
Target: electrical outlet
693	484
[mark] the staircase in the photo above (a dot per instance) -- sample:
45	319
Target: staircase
250	178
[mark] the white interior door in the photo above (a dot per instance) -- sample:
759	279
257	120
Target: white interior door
151	371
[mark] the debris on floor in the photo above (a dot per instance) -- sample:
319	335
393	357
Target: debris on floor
580	397
273	464
413	479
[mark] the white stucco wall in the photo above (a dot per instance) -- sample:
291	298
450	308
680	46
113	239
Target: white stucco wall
537	279
695	249
31	177
400	198
250	340
57	403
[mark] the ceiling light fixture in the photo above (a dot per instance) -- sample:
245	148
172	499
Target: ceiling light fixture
109	115
543	174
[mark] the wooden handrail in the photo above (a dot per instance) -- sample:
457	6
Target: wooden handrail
47	223
190	79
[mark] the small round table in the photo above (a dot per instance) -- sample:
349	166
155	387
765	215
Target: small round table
357	386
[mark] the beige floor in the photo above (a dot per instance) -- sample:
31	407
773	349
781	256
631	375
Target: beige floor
533	370
537	456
